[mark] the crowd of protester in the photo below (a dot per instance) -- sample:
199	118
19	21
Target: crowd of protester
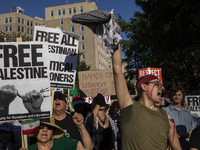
145	122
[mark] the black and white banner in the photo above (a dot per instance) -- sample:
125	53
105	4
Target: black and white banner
24	78
63	51
193	102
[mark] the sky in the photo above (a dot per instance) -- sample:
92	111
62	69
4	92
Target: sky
34	8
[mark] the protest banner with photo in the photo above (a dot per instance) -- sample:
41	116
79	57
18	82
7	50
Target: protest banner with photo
25	83
193	102
89	99
154	71
63	51
93	82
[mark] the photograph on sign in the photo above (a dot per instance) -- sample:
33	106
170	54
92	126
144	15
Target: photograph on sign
63	51
25	83
93	82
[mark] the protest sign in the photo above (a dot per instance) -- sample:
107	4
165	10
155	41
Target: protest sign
154	71
24	77
89	99
193	102
93	82
63	51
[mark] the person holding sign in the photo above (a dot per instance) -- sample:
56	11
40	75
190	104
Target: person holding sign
143	125
182	116
50	136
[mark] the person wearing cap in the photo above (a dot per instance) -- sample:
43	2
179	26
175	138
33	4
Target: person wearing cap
50	136
7	138
182	116
80	105
101	127
143	125
62	118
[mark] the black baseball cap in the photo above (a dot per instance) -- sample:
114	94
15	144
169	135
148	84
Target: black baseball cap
59	95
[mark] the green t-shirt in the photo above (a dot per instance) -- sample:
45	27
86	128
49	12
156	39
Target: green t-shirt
63	143
143	128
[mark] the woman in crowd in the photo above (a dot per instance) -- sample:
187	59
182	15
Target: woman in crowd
50	136
101	127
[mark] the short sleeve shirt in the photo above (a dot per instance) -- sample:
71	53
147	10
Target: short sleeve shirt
63	143
183	121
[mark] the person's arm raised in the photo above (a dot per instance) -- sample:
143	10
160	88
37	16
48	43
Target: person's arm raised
86	143
121	89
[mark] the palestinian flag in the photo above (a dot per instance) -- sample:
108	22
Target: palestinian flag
29	126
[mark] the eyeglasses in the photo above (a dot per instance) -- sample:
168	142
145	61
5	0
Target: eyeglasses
157	83
47	126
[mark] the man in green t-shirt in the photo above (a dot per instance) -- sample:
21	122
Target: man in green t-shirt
143	125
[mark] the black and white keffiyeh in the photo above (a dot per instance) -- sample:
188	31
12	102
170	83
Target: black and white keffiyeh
95	20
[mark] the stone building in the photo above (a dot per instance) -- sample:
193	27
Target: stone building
16	24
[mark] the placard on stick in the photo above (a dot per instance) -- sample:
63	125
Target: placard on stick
193	102
93	82
24	71
154	71
63	51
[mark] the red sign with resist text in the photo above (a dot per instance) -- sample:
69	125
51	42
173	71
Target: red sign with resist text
154	71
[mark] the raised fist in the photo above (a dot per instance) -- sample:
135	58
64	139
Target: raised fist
33	101
7	94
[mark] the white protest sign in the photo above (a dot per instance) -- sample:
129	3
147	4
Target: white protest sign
24	68
63	51
193	102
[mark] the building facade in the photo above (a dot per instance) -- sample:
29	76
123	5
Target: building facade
16	24
93	53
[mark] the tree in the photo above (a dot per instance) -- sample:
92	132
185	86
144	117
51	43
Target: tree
81	66
165	35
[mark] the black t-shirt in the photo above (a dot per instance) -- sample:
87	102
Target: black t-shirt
69	127
195	138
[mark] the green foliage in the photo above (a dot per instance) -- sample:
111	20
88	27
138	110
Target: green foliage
81	66
165	35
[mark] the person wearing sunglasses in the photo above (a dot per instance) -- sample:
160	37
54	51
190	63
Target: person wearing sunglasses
50	136
143	125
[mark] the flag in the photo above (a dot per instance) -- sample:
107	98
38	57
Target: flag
29	126
73	93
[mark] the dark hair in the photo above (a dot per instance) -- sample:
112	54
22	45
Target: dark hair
114	105
173	90
12	138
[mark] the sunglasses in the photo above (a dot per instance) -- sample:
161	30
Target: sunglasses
47	126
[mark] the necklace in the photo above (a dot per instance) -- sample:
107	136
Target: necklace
103	121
